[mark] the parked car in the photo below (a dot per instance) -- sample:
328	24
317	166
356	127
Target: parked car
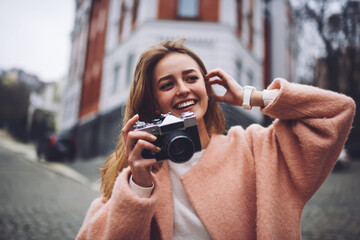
55	147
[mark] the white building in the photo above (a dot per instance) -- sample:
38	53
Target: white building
249	39
71	87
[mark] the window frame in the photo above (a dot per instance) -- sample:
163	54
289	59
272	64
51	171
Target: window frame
190	18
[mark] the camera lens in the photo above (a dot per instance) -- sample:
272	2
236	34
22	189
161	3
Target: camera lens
180	147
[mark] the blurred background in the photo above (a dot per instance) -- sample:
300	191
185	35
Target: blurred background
65	72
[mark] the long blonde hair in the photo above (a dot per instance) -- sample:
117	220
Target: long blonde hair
141	95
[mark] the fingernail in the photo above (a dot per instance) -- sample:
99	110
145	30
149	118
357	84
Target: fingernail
153	137
159	149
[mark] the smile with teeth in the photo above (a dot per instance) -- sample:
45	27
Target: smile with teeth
185	104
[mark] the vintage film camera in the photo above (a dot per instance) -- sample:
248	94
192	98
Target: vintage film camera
178	138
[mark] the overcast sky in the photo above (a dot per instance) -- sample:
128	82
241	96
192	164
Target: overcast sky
35	36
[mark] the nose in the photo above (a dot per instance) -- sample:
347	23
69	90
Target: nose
183	89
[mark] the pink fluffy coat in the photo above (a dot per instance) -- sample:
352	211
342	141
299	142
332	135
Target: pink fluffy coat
249	184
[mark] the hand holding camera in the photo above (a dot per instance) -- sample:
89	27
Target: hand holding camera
167	137
135	143
178	138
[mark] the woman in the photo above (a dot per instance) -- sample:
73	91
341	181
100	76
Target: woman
248	184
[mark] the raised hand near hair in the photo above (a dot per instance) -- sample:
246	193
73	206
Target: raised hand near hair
234	92
135	143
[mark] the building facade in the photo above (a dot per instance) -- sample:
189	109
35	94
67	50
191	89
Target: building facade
71	87
249	39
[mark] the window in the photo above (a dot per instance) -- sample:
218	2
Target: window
130	63
239	11
134	13
116	78
238	72
250	76
250	19
121	20
188	8
191	10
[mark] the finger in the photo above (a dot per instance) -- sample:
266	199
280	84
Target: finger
128	126
217	81
131	122
216	73
141	145
156	167
141	165
141	171
134	136
226	79
232	87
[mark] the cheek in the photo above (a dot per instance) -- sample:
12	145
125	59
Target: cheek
205	94
203	88
163	101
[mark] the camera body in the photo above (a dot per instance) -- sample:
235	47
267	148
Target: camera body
178	137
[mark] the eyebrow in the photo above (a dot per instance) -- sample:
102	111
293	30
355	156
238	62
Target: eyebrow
188	71
167	77
164	79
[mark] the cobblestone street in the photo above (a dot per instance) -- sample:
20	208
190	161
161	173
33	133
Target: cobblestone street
36	203
39	203
334	211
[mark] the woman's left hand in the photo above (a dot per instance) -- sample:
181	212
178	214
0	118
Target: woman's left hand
234	92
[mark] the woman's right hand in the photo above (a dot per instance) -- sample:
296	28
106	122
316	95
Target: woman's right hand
135	143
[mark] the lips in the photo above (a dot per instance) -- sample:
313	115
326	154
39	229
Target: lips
184	104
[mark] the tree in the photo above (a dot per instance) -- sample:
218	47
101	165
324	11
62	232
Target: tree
337	23
14	98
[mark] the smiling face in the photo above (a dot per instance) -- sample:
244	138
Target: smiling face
179	86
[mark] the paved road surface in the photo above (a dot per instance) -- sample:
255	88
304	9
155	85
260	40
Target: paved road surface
37	203
47	201
334	211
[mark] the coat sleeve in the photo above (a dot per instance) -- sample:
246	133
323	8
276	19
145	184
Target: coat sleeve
123	216
310	128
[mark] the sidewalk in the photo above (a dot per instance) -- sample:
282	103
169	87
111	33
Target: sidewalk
90	168
86	171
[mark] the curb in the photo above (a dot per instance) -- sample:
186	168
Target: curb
29	153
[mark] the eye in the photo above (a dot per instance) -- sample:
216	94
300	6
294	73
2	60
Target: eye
192	78
166	86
